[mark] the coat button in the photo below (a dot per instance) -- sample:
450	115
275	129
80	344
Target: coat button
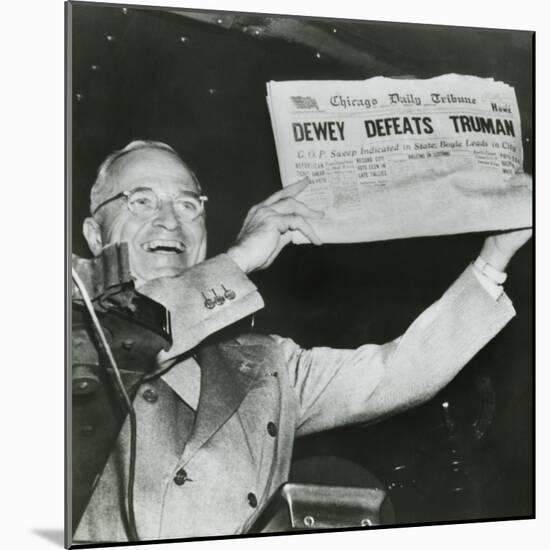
150	395
252	500
271	429
229	293
181	477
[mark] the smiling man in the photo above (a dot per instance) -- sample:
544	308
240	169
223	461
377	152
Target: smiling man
146	196
216	427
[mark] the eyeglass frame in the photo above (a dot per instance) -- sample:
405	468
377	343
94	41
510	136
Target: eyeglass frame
126	194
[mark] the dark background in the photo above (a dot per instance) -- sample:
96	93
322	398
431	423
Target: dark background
198	84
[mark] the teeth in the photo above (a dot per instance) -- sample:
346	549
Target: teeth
164	246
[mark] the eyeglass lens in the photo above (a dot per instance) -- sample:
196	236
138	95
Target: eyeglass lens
145	202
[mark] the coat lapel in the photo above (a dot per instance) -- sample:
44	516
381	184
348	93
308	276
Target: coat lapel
227	373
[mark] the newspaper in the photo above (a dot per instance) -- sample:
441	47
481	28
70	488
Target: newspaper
391	158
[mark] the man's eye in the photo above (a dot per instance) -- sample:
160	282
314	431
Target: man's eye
187	205
142	202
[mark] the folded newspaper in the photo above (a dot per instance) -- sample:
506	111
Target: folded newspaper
390	158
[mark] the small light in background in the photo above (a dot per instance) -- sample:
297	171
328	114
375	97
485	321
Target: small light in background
211	91
110	38
219	21
79	96
317	55
184	39
334	31
125	11
94	67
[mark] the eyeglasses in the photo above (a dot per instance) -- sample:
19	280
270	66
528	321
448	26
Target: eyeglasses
143	202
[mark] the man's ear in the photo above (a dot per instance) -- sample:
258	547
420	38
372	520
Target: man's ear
92	233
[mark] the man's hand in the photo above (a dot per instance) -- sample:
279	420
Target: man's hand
499	249
270	225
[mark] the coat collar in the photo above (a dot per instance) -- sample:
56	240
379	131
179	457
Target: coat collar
228	371
185	379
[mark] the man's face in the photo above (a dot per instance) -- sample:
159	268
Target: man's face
161	245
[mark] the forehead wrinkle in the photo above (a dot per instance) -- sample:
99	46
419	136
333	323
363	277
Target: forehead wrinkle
158	172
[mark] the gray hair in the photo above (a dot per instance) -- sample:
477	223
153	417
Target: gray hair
104	185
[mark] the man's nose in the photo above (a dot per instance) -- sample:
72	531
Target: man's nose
166	216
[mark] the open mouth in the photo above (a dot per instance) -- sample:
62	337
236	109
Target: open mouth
163	247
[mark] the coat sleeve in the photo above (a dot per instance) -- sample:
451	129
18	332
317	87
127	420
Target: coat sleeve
185	297
338	387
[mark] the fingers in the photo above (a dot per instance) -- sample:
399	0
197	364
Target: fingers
290	191
521	178
514	239
287	222
294	206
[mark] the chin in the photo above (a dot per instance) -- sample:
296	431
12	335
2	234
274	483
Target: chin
172	271
147	274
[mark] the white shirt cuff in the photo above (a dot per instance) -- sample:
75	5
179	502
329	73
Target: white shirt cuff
493	288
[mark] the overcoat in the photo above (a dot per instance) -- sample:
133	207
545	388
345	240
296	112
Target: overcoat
257	394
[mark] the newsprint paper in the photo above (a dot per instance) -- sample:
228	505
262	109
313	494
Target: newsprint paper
391	158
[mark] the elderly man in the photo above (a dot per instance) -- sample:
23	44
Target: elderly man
216	430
